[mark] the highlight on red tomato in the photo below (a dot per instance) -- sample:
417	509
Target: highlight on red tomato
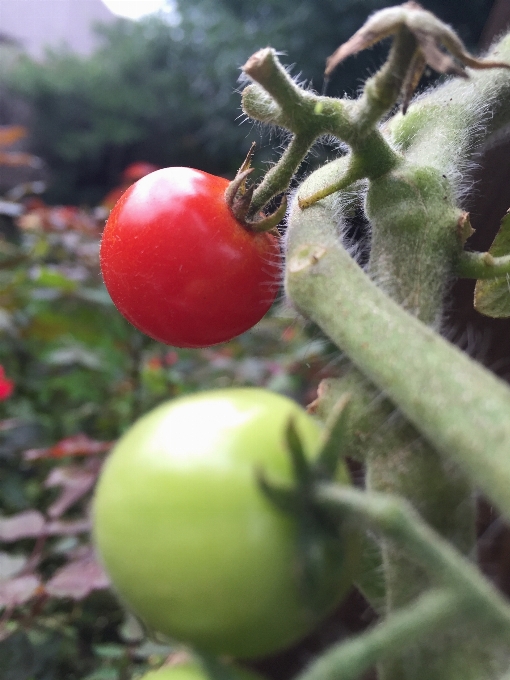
178	264
191	542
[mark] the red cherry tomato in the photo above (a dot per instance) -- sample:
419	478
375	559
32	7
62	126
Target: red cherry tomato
178	264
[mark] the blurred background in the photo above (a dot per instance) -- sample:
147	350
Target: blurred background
93	95
98	91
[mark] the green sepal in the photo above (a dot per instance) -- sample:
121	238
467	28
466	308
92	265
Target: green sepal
300	465
283	497
492	296
321	539
330	454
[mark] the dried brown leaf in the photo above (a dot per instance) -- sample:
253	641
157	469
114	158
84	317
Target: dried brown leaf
435	57
377	27
432	35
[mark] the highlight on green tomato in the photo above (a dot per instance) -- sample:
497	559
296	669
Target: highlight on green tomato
193	670
192	544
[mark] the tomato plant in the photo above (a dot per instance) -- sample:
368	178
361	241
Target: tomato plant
189	539
178	264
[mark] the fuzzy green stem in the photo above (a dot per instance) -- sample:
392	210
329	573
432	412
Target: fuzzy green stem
482	266
300	111
264	68
431	613
396	518
397	457
372	157
309	116
382	91
278	178
459	406
343	182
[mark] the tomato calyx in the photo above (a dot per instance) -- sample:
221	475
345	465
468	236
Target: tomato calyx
238	197
320	536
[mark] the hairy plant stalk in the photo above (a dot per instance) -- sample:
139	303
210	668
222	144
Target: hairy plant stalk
414	170
433	612
459	406
412	365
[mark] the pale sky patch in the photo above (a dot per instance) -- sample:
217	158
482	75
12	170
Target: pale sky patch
135	9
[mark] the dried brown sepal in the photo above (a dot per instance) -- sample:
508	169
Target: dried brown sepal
413	76
464	228
435	57
269	222
249	157
377	27
433	38
237	196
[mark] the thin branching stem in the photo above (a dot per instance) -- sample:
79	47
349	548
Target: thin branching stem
482	266
395	518
432	612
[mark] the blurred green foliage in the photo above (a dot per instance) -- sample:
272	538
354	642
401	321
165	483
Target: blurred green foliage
166	91
82	375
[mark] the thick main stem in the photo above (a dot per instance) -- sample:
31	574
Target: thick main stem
414	245
408	362
458	405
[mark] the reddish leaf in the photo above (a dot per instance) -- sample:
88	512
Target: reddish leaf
75	482
27	524
77	579
11	565
59	528
77	445
19	590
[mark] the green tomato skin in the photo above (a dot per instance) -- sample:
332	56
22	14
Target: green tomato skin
195	671
188	538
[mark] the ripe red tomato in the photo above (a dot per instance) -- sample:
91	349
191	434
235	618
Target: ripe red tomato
191	542
178	264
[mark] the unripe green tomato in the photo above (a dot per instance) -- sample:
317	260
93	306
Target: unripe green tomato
190	541
195	671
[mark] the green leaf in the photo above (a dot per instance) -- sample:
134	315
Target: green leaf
99	296
331	451
16	657
300	465
47	277
106	673
110	651
492	296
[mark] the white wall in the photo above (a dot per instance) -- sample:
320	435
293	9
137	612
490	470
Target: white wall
37	23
